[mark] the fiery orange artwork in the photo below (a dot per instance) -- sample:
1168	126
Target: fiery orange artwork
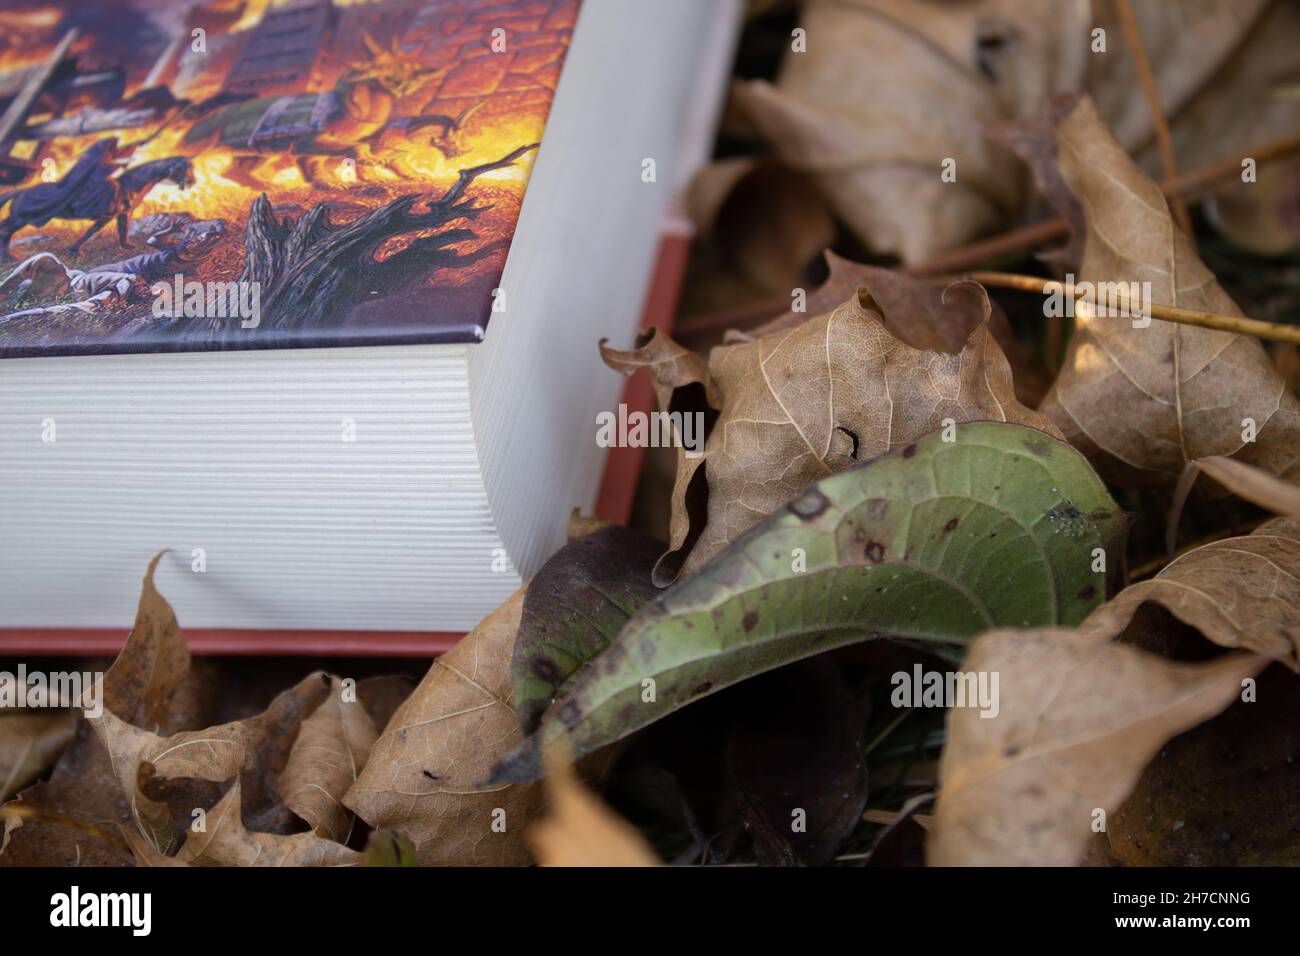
357	166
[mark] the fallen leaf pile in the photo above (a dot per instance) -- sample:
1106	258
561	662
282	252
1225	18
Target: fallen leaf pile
953	69
220	795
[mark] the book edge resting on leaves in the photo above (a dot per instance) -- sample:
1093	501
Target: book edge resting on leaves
369	498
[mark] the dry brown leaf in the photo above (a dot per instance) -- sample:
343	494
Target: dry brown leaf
1243	480
423	773
153	663
952	68
1142	402
681	383
1081	715
147	687
382	695
811	400
670	365
913	310
1241	592
1221	67
94	787
580	830
159	776
918	312
144	852
1262	216
1191	48
332	747
949	69
224	841
1079	718
30	742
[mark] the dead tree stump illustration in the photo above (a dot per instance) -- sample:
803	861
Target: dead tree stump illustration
312	272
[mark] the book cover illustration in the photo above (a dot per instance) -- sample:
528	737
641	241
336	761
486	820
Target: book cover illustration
223	174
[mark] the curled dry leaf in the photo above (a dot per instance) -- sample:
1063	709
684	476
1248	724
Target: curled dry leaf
146	686
1143	402
1081	716
806	402
579	830
1240	592
224	841
422	778
1246	481
918	312
682	384
332	747
161	776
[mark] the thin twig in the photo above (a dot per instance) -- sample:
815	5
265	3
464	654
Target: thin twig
1017	240
734	316
886	731
1275	331
1133	38
1200	180
893	816
1188	185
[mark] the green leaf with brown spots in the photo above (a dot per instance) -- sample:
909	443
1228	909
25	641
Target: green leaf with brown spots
938	541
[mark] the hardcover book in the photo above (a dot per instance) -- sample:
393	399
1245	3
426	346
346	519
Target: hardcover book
309	293
298	175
